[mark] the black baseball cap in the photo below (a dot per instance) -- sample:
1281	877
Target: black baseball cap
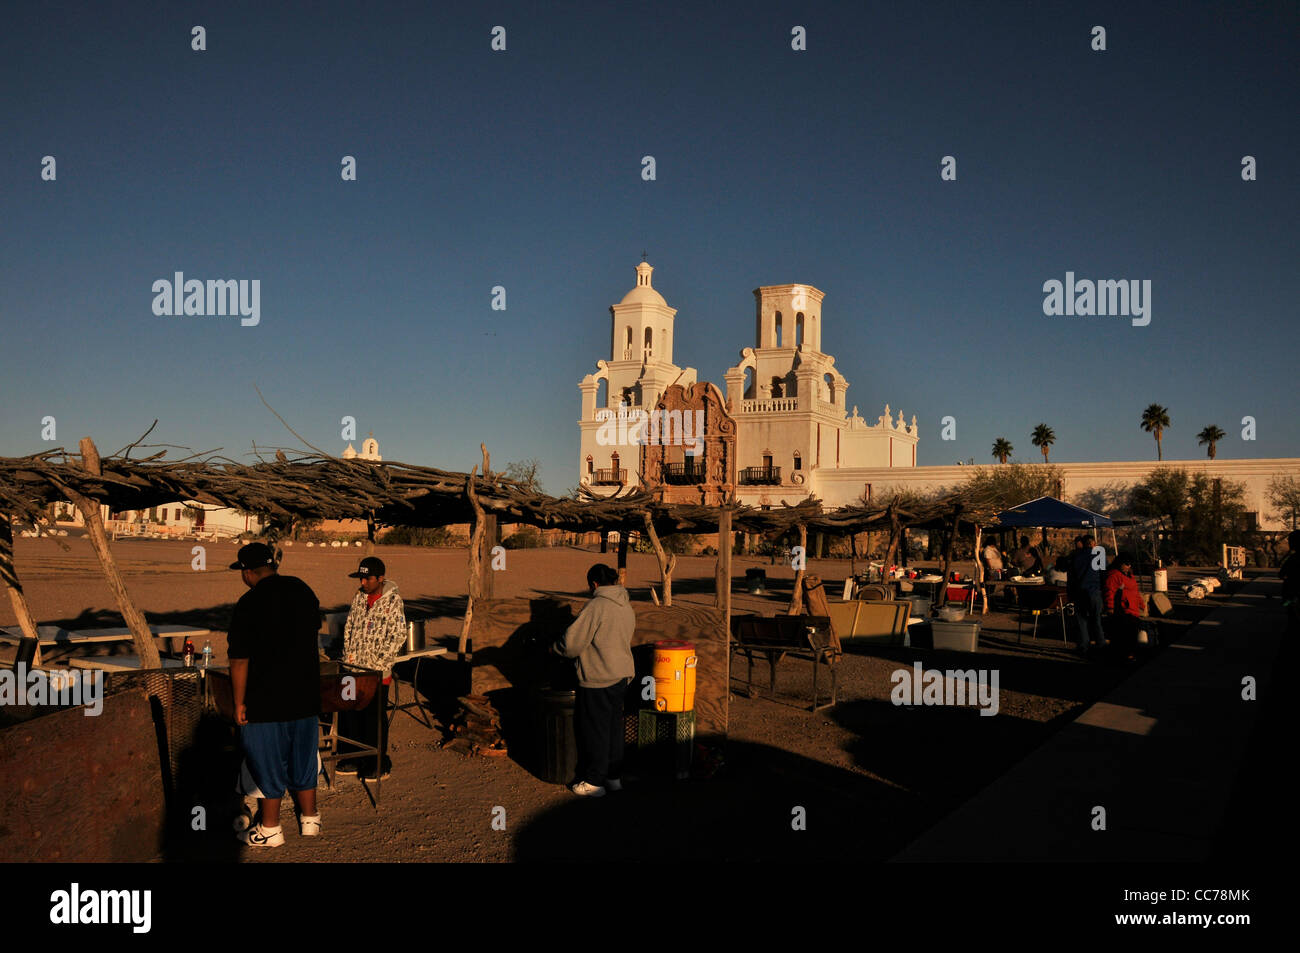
370	566
254	556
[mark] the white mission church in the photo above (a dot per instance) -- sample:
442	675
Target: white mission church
785	402
783	429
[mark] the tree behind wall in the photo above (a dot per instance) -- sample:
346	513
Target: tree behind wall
1283	493
1199	512
1010	484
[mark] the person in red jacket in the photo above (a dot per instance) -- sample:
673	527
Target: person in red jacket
1123	603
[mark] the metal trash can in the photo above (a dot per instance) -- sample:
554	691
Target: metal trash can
414	635
756	581
557	743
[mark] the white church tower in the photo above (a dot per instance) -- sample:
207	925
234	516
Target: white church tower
639	368
793	429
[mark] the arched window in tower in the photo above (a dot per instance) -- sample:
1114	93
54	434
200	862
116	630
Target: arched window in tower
798	329
613	465
776	340
629	396
602	393
798	461
627	346
778	386
828	389
649	343
591	467
748	392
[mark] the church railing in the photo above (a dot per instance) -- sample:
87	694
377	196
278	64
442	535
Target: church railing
679	473
759	476
769	405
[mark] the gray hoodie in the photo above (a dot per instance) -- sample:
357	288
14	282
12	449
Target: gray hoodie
601	639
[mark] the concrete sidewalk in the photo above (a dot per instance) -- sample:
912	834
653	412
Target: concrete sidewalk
1160	754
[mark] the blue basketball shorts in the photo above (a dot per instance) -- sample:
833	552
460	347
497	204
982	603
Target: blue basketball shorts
282	754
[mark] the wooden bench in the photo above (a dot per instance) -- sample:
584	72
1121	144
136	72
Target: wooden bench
777	636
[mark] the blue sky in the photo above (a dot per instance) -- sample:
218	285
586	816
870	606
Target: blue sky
522	169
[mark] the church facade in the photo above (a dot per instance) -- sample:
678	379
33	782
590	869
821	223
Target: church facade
777	431
781	428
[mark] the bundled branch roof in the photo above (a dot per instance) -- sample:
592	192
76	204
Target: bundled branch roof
400	494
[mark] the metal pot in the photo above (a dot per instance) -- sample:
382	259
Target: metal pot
414	635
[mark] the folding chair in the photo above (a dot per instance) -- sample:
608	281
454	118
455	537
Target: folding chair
1040	602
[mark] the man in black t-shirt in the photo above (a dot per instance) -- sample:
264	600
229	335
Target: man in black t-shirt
275	673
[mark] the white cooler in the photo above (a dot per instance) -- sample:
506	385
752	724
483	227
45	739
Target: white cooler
956	636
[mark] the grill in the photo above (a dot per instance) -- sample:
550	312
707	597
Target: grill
175	696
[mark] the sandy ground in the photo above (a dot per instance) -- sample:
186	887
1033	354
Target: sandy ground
867	775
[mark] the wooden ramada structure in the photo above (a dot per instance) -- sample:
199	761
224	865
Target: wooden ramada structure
386	494
399	494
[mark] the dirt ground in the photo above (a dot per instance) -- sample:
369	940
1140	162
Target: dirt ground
867	776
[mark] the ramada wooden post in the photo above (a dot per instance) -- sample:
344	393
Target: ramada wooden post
947	554
796	601
895	536
491	538
979	571
475	560
622	556
667	561
10	577
135	620
723	575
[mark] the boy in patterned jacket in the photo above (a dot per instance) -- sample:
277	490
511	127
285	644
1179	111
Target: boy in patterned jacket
373	636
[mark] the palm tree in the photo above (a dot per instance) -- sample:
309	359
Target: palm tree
1154	420
1210	435
1044	437
1002	449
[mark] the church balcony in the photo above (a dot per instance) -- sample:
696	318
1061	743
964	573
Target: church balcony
769	405
760	476
609	477
684	473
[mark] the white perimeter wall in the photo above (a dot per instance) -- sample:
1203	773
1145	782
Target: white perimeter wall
844	487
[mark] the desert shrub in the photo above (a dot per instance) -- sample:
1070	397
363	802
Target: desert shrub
420	536
525	538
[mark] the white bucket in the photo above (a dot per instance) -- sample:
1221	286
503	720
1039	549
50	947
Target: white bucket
1162	580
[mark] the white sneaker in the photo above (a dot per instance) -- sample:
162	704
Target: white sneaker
259	836
309	825
613	784
248	815
587	789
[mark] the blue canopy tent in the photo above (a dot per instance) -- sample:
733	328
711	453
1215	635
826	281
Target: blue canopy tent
1048	511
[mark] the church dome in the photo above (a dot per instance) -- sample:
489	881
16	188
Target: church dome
643	292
